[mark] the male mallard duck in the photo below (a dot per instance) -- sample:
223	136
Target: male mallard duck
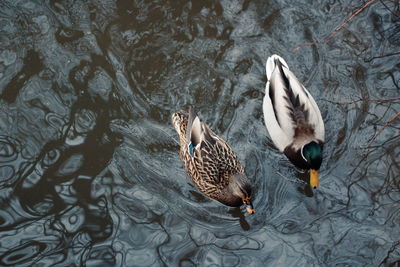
211	163
293	118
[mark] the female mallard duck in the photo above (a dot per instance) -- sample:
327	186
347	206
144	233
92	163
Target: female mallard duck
293	118
211	163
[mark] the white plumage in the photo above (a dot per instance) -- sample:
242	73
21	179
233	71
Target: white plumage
292	118
278	120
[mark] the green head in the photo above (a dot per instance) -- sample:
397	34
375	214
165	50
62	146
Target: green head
312	153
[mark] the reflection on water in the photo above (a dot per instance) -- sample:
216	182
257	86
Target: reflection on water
89	167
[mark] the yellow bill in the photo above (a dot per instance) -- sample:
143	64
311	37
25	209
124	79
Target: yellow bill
314	178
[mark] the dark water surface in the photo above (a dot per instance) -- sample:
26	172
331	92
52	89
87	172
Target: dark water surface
89	165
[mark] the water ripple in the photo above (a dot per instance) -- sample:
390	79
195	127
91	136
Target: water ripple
89	165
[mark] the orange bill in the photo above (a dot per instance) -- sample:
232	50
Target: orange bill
249	206
250	210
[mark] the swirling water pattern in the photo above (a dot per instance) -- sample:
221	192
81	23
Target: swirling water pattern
89	167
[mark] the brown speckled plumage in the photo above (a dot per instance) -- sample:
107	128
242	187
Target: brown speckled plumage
212	164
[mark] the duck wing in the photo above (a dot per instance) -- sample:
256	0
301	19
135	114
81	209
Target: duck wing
213	157
288	104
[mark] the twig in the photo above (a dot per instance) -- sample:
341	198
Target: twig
364	100
296	180
383	128
338	28
387	55
383	3
373	100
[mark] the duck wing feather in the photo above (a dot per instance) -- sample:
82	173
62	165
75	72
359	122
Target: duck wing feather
213	157
288	104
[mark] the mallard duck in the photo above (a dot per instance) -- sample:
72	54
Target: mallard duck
211	163
293	119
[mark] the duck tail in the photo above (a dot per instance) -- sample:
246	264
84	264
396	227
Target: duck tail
271	64
193	133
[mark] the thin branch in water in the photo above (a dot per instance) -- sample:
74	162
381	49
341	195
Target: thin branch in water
383	128
387	55
295	180
393	13
363	100
338	28
373	100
